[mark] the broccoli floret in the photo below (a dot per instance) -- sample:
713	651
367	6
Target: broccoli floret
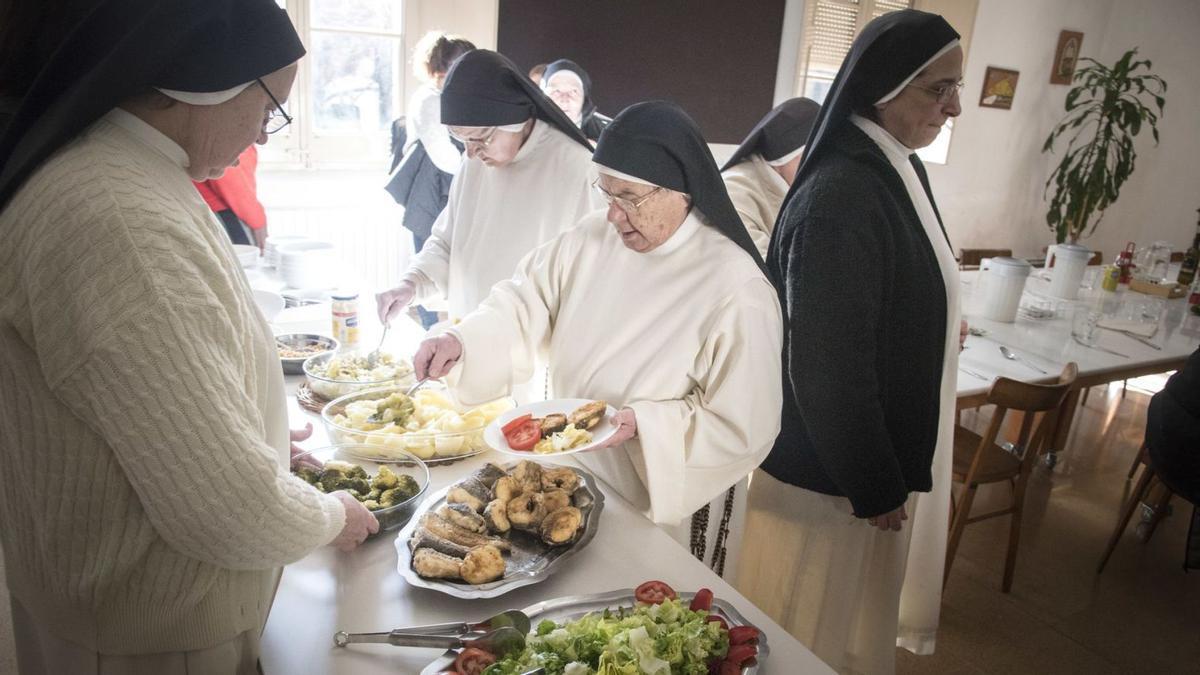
307	474
371	505
409	485
385	479
358	472
374	494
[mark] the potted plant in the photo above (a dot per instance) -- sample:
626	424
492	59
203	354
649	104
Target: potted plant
1106	109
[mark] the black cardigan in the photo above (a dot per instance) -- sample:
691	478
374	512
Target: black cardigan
865	328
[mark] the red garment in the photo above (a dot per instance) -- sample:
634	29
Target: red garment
237	191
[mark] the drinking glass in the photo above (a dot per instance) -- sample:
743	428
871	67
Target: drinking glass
1084	325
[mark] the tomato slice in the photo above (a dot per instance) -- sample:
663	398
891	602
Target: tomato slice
741	655
743	635
702	602
654	592
473	661
525	436
714	618
512	426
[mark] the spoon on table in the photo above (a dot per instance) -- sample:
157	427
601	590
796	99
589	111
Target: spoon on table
499	641
1008	354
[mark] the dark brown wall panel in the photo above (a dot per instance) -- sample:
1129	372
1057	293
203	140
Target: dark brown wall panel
716	59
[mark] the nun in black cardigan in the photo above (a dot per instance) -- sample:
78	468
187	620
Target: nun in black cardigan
869	288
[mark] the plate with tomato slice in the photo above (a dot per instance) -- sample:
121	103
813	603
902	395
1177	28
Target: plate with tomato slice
746	645
533	430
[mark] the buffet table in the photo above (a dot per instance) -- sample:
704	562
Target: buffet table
361	591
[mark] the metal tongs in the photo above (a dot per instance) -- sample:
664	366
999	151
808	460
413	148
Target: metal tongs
500	625
499	641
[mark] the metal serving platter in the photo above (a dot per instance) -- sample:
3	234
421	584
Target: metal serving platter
576	606
530	561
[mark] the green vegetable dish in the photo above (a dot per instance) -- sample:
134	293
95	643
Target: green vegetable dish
383	490
662	639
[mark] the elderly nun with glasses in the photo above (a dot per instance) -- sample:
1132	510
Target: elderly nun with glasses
855	492
148	507
659	306
526	179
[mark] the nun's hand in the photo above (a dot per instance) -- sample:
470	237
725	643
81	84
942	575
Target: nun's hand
390	303
359	523
626	423
436	356
963	328
892	520
302	435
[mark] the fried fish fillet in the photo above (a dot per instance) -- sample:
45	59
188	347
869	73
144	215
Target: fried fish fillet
446	530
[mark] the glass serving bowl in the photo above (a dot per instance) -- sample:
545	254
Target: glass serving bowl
392	517
331	387
450	431
315	344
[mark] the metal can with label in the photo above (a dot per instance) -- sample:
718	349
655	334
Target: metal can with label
1111	277
345	318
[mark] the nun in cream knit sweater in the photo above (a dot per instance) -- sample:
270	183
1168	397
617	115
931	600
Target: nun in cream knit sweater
146	506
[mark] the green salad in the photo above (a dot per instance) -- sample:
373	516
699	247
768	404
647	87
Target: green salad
663	639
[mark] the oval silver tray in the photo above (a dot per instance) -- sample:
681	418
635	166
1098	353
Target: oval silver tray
575	606
530	561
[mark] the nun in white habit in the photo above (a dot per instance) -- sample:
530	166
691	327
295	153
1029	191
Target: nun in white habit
660	307
761	170
526	178
850	510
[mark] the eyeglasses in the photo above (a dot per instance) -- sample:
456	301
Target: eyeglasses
622	203
480	142
944	93
567	93
277	118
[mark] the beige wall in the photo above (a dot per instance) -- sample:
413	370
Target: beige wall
990	191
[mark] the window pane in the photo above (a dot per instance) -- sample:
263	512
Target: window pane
939	150
354	82
377	15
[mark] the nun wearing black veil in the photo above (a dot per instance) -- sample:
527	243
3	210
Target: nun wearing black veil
570	87
147	506
849	548
658	306
526	178
761	170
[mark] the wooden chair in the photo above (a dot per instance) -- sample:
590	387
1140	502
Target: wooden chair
968	258
978	460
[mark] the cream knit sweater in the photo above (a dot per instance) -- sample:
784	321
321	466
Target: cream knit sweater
144	506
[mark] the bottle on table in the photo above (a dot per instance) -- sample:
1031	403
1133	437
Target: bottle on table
345	318
1191	259
1125	263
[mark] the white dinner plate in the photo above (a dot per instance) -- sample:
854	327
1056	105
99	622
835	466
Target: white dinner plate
600	433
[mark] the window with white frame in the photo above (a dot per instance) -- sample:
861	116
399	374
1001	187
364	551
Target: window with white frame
349	86
830	27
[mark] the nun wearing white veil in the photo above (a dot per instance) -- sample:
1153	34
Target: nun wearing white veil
658	306
869	287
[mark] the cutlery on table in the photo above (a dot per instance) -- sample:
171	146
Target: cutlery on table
1008	354
1135	336
498	641
1099	348
973	373
513	617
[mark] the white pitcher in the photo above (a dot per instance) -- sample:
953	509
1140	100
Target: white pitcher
1001	283
1070	262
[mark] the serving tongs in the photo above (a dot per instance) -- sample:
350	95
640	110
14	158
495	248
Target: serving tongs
498	641
514	618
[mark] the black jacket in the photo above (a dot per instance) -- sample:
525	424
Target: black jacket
422	188
1173	431
865	328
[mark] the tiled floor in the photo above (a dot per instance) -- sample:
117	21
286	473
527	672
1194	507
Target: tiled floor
1141	616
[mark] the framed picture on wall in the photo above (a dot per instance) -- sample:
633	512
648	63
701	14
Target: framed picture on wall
1065	57
999	87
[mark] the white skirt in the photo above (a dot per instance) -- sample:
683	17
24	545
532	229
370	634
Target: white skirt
830	579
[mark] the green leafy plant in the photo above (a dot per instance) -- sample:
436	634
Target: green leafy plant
1106	109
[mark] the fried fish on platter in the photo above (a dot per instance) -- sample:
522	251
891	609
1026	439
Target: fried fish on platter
463	516
443	528
433	565
482	564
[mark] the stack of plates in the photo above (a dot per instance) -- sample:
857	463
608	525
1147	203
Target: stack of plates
271	247
246	255
307	264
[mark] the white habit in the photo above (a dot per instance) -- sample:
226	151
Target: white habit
842	587
497	215
757	192
688	335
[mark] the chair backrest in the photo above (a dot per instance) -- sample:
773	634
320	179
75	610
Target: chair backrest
1039	402
968	258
